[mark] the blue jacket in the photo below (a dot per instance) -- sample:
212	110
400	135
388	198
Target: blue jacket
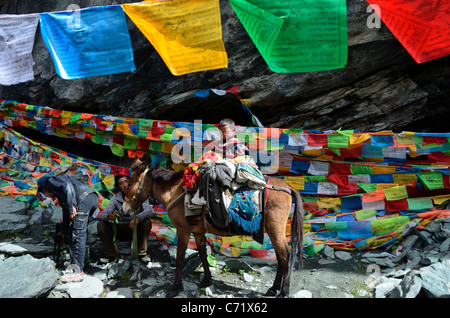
68	190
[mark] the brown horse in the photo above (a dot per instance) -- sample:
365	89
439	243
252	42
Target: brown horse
166	186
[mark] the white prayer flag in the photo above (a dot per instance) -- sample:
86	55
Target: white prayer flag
318	168
17	34
376	205
327	188
299	139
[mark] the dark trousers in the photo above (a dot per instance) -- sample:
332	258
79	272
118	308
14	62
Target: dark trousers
79	231
105	231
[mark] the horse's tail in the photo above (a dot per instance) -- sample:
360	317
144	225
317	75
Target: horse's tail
296	231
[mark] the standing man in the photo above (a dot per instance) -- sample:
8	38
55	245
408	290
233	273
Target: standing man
125	223
78	202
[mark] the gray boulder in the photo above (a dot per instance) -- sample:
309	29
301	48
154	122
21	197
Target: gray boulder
27	277
13	216
436	279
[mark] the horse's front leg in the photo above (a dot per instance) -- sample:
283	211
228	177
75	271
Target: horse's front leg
182	242
200	239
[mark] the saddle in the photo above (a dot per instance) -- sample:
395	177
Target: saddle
231	193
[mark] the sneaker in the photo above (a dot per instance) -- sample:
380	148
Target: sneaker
145	258
72	277
106	260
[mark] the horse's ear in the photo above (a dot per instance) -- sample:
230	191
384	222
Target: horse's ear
141	168
136	165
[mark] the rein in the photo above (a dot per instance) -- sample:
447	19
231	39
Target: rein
139	190
175	202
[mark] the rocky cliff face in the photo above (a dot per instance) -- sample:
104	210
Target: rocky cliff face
381	87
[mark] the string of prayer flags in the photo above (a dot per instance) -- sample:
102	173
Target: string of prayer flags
186	33
349	203
296	35
17	33
421	26
98	43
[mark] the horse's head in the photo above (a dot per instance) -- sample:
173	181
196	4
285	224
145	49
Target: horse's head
138	189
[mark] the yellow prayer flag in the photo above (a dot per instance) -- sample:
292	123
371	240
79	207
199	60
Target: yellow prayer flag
382	186
358	139
123	129
439	199
43	162
31	191
328	203
403	178
382	169
396	193
298	183
167	147
108	181
405	141
186	33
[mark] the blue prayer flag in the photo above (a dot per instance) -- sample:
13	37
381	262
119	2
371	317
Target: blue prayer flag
351	203
298	166
357	230
382	178
382	140
96	43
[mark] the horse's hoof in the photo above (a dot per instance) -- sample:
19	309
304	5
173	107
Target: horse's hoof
174	291
281	295
272	292
206	282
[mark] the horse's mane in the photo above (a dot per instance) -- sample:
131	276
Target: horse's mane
167	176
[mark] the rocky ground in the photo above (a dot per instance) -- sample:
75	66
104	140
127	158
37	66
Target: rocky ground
420	269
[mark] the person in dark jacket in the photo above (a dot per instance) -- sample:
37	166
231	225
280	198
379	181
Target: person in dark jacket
78	202
230	145
125	223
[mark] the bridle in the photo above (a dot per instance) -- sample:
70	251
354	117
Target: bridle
139	190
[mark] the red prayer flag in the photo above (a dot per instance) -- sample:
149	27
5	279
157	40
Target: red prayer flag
317	140
421	26
397	205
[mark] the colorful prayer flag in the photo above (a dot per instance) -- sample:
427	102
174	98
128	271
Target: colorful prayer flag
186	33
98	45
421	26
296	35
17	34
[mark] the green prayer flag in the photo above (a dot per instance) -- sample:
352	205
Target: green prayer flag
365	214
74	118
313	250
296	35
130	143
338	141
97	187
336	226
419	203
360	169
166	137
431	180
142	133
367	187
396	193
117	149
98	138
156	146
388	225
